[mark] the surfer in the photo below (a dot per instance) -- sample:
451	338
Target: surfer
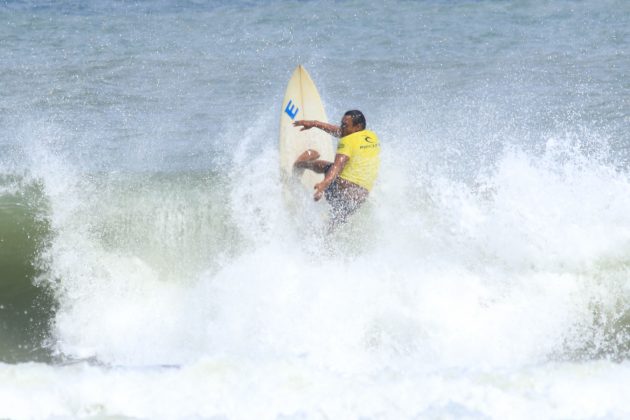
349	179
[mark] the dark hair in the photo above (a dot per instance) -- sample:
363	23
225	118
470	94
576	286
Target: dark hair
357	118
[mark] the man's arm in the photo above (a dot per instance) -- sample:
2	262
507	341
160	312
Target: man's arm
335	169
308	124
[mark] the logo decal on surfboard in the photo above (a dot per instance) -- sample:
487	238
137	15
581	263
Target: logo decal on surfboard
291	110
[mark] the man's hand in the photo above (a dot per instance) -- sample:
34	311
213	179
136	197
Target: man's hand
305	124
320	187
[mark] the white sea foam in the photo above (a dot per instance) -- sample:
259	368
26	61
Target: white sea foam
453	302
241	389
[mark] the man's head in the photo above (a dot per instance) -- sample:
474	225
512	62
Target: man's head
352	122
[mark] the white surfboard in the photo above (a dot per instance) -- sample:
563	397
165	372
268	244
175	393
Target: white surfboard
302	102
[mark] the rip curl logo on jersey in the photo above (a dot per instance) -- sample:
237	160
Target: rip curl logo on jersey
291	110
369	139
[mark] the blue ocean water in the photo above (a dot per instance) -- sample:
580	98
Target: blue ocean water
149	264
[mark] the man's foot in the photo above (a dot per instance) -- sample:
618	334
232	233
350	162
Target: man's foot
306	157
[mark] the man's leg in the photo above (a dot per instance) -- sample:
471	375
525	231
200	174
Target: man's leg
308	160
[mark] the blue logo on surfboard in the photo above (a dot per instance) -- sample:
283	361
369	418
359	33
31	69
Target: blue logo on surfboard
291	110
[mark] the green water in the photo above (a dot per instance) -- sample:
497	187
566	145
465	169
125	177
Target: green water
26	304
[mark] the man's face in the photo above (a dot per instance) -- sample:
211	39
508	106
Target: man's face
346	126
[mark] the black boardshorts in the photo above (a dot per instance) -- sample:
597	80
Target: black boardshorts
344	198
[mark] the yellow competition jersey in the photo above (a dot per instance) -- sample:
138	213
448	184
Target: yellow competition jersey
363	149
